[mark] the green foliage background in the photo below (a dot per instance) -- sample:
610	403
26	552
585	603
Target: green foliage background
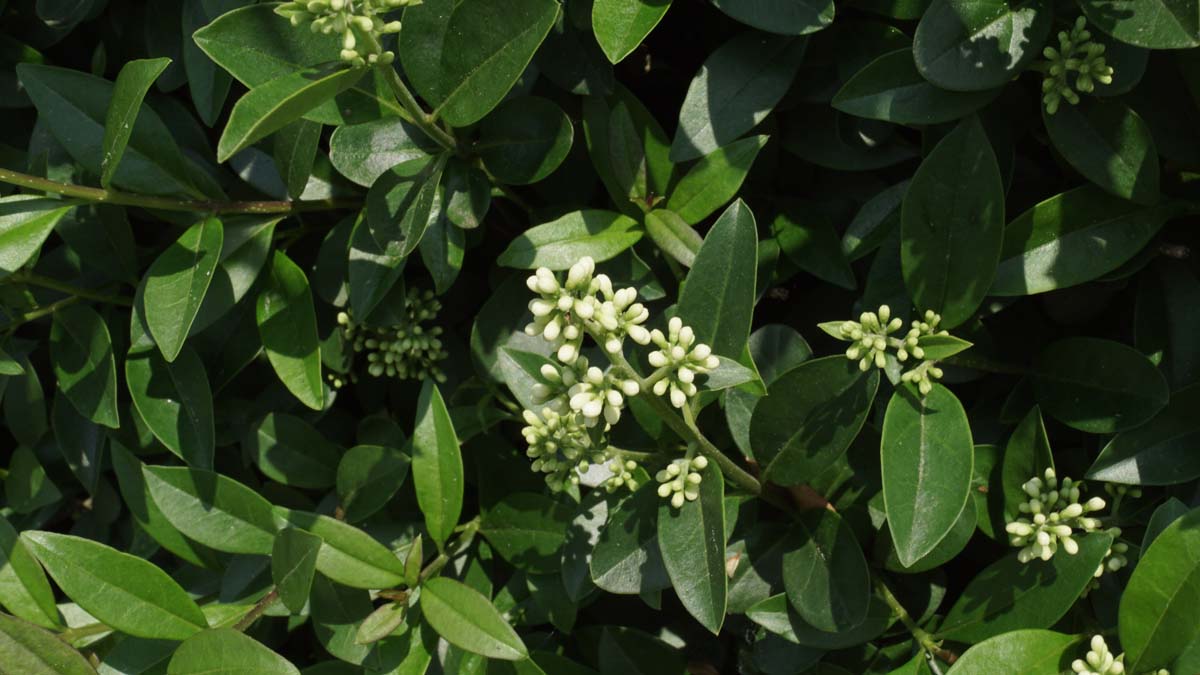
211	221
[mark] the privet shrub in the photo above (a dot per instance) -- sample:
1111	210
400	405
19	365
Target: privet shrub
600	336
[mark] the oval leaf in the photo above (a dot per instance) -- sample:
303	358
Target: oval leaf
287	323
468	620
1098	386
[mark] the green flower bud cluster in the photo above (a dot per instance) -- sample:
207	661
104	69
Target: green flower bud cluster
871	339
1099	660
622	474
564	312
1052	515
1114	560
683	358
359	23
1076	54
680	480
408	350
560	446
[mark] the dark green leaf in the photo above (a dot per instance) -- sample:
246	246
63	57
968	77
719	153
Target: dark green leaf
82	353
81	442
133	82
212	509
348	555
1110	145
714	180
777	616
738	85
1154	24
627	558
1029	652
295	151
25	222
524	140
1160	452
718	299
464	55
1098	386
560	243
119	589
891	89
228	652
24	590
927	456
674	236
367	478
175	401
177	282
467	619
527	529
825	575
400	202
287	323
436	465
621	25
29	650
1027	455
288	450
363	152
692	541
293	563
790	17
969	45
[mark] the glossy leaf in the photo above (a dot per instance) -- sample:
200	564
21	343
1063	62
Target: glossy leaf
891	89
1154	24
971	45
1098	386
436	465
627	558
288	450
927	455
293	562
82	353
175	402
718	299
228	652
213	509
560	243
24	591
1110	145
952	225
400	203
287	323
363	152
825	575
367	478
621	25
121	590
790	17
1160	452
810	416
134	80
348	555
467	619
692	542
714	180
295	151
1026	455
1029	652
463	57
674	236
25	222
738	85
177	282
524	140
527	529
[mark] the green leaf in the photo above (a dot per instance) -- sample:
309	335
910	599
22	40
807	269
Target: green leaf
24	590
30	650
874	222
287	449
367	478
632	652
1029	652
468	620
527	529
1160	452
348	555
1072	238
674	236
82	354
364	152
175	401
373	273
27	486
177	282
692	541
1010	595
25	222
443	249
627	157
1098	386
714	180
466	194
891	89
131	86
598	114
789	17
272	105
464	55
738	85
1160	608
927	456
228	652
1166	513
777	616
718	298
939	347
256	45
295	152
810	241
436	465
381	623
952	225
212	509
621	25
560	243
627	558
400	203
74	106
970	45
1110	145
810	416
1153	24
287	323
244	250
119	589
1027	455
80	441
825	574
207	84
293	563
524	140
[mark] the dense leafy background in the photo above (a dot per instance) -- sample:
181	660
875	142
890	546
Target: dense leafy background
199	474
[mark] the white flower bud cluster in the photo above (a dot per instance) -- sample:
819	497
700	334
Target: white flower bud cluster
871	339
564	312
1114	560
1100	661
1052	515
408	350
359	23
588	390
622	474
559	445
680	480
685	358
